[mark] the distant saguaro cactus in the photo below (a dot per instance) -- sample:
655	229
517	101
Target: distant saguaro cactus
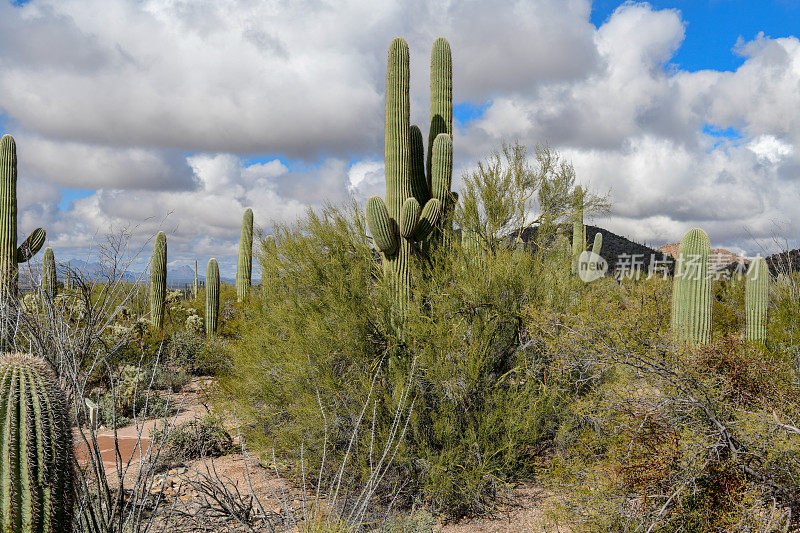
597	246
691	290
158	281
756	300
578	229
49	278
195	279
244	269
36	462
212	297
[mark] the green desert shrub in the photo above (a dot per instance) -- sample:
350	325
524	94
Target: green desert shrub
192	439
320	365
132	395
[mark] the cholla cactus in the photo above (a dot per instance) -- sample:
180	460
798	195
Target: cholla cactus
691	290
244	269
756	300
36	462
212	297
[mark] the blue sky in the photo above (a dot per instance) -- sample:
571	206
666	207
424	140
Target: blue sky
714	26
226	106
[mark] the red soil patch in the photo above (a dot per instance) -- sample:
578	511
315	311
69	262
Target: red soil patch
129	448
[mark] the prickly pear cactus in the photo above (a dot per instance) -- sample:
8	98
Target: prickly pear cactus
414	202
756	300
49	279
691	290
244	269
36	464
158	281
212	297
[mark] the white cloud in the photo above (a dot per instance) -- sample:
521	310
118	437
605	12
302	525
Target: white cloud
161	104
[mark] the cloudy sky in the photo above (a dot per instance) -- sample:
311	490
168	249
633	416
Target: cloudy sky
178	114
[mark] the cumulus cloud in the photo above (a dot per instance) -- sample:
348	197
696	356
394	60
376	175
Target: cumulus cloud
162	106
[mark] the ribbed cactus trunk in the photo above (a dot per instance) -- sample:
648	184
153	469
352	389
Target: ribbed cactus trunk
756	300
597	246
36	463
195	279
578	229
440	158
158	281
49	277
212	297
10	254
244	268
413	204
691	290
8	217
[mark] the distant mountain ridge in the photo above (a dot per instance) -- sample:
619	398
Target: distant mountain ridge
177	277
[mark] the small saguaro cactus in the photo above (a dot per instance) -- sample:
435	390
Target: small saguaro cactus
691	290
194	287
414	202
212	297
756	300
49	279
578	229
36	463
244	269
10	254
597	246
158	281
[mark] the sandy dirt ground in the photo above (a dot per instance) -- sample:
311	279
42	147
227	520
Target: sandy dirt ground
187	506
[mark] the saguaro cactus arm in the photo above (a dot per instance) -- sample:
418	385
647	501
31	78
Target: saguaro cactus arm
383	228
31	245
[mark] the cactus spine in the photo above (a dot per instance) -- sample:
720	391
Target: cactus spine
158	281
691	290
212	297
756	300
414	202
36	475
244	270
49	279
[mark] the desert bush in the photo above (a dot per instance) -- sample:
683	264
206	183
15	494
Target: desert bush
669	439
483	405
192	439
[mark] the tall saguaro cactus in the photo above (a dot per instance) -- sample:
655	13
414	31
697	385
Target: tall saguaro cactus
212	297
415	198
244	270
578	229
691	290
756	300
36	465
49	279
10	254
158	281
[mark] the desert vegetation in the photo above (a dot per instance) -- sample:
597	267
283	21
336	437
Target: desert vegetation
402	366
